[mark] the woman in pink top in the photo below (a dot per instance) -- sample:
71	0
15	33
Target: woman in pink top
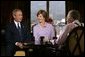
43	28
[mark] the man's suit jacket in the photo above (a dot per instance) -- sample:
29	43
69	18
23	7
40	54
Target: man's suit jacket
13	36
12	33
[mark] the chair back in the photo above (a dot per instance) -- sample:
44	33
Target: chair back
75	41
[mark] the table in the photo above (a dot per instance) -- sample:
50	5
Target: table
41	50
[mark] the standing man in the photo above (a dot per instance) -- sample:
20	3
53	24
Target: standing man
16	32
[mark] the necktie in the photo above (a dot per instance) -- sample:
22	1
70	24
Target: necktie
19	27
20	33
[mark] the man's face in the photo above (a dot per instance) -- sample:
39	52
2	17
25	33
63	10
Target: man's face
18	16
69	19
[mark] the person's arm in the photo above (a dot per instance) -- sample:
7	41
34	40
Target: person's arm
27	35
52	32
36	36
63	35
8	34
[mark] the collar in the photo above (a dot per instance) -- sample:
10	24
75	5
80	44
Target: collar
17	23
77	22
44	24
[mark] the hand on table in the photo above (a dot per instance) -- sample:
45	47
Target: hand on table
19	44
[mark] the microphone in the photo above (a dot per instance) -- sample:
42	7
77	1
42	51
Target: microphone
41	40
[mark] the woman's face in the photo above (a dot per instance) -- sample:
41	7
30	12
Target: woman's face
40	18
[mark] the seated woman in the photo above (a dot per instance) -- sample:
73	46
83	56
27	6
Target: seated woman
72	22
43	28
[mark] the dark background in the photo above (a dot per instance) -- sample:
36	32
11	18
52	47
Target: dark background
7	7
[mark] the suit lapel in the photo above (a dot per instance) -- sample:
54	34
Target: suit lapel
14	28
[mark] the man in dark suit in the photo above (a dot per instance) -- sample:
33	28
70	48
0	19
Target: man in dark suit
16	33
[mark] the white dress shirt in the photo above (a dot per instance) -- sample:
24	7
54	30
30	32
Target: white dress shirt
16	23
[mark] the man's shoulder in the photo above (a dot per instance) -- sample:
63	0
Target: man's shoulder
10	23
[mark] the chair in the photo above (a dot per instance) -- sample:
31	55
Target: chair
75	42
